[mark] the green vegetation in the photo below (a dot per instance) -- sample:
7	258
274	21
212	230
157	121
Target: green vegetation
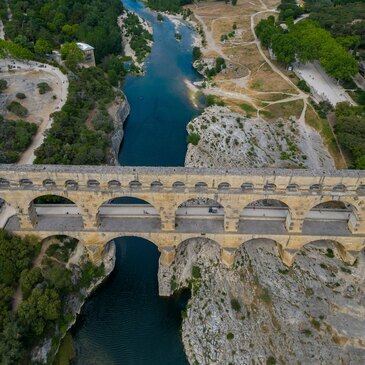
196	272
271	360
70	141
139	36
20	96
330	253
220	64
230	336
289	9
350	132
15	137
44	307
43	88
197	53
17	109
11	49
41	25
3	85
235	304
213	100
160	17
193	138
303	86
308	42
71	54
173	6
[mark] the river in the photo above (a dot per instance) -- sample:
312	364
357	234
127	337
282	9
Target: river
126	322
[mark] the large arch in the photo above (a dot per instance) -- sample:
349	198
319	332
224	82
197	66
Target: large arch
125	213
333	216
256	214
200	214
53	212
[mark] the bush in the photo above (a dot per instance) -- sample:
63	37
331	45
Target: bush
195	272
17	109
330	253
43	87
235	304
271	360
160	17
303	86
196	54
3	85
230	336
20	95
193	138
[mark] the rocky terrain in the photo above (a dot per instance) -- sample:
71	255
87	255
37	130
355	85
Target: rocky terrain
261	312
228	139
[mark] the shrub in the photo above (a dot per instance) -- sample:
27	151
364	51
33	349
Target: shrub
330	253
303	86
230	336
17	109
271	360
195	272
160	17
43	87
315	324
193	138
20	95
3	85
196	53
235	304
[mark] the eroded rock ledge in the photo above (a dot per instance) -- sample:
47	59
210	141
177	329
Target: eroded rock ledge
260	311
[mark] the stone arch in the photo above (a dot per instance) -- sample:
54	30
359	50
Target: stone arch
330	210
267	209
7	211
336	246
121	213
54	212
197	213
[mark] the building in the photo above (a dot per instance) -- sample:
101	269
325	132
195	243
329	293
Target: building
88	52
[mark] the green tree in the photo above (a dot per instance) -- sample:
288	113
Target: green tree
42	47
284	45
29	279
72	54
40	310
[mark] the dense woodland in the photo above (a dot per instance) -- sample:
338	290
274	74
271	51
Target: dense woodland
44	309
72	141
173	6
60	21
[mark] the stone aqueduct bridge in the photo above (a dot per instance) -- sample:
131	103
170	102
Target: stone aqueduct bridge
90	187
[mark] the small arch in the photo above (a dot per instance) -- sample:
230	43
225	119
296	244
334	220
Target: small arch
135	185
49	183
178	186
339	188
269	187
330	248
292	188
4	183
25	183
224	186
315	188
263	245
247	187
156	185
201	186
114	184
71	185
93	184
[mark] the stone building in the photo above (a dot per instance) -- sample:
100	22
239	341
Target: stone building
88	52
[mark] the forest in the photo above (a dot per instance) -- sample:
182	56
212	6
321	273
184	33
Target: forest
173	6
58	21
45	288
308	42
71	141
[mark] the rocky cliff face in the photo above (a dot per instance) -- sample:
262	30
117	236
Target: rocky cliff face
119	111
261	312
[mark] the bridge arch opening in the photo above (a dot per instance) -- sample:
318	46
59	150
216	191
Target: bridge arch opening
200	215
255	216
331	217
7	214
128	214
55	213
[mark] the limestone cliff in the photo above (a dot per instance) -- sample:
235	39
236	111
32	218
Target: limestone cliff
119	112
261	312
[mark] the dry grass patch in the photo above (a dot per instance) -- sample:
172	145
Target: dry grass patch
271	96
284	110
247	55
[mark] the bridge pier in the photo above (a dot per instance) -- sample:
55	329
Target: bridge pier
95	253
228	256
287	255
167	255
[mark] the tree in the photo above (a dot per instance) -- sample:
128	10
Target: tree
42	47
284	46
29	279
40	310
3	85
72	54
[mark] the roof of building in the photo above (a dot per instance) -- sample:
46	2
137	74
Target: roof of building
84	46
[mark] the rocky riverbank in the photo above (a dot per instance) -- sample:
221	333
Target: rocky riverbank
222	138
261	311
119	111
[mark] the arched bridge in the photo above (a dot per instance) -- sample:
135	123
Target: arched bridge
291	207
